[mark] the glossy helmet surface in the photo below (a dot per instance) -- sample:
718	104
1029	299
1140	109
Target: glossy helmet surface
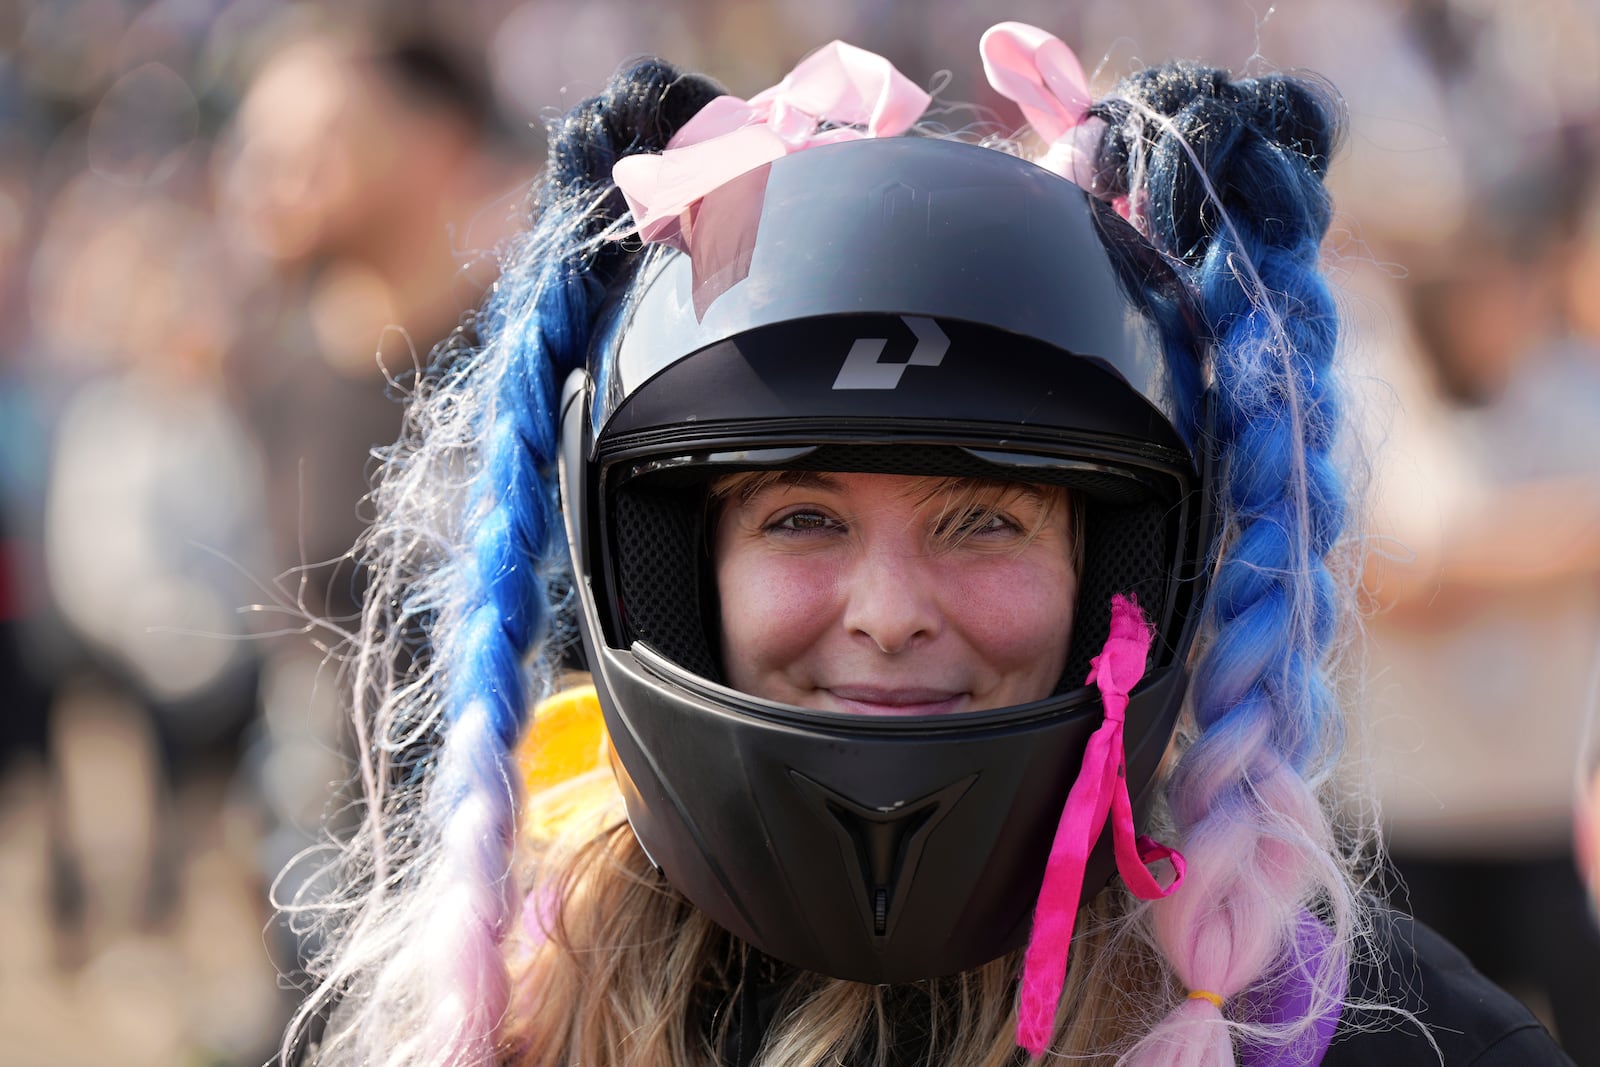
902	305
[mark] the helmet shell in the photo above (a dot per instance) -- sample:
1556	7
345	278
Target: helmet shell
902	305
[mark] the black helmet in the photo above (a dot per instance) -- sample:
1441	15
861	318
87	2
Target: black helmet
902	305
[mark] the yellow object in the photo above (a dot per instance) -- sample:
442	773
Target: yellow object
565	762
1206	994
566	738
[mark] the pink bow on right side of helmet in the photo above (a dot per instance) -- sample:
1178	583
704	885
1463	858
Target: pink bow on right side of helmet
1037	71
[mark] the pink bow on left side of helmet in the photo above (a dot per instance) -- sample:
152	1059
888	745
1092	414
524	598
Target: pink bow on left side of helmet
838	93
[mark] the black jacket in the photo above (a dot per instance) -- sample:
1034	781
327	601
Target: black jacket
1474	1022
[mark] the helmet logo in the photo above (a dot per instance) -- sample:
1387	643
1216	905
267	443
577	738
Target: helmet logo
862	369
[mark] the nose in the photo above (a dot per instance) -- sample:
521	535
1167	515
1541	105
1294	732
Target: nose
892	598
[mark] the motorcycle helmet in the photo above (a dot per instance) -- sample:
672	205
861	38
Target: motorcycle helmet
896	305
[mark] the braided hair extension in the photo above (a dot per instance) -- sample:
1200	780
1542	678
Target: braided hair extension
1228	177
465	550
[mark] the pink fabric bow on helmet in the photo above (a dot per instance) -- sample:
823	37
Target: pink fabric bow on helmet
838	93
1038	72
1041	75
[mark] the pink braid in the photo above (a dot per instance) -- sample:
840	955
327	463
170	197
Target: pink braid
1250	874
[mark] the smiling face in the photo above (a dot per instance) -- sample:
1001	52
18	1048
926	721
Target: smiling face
881	594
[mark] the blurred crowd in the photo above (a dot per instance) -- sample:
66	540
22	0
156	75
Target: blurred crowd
232	230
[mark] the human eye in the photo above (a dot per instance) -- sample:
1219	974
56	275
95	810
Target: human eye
985	522
981	524
804	520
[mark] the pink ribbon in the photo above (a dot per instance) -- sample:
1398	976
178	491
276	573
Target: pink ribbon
1039	73
854	93
1101	791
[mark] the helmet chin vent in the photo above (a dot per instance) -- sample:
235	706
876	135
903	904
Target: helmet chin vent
881	844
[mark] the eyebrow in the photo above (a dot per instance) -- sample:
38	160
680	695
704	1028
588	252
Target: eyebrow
808	479
760	481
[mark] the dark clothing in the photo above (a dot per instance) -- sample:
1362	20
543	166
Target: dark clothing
1526	923
1473	1021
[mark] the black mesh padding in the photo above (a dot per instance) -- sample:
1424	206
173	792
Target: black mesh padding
659	552
1125	550
668	601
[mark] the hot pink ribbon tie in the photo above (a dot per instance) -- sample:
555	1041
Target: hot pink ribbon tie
838	93
1100	792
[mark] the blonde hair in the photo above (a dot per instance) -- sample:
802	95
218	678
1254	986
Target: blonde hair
615	967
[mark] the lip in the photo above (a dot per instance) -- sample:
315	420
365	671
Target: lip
887	702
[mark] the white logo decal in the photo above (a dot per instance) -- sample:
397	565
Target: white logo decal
862	370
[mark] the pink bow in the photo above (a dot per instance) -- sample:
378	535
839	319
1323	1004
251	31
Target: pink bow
1101	791
853	92
1038	72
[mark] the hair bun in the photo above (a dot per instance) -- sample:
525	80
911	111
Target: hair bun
1302	116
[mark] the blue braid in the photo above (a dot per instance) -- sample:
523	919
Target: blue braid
536	330
1231	180
1247	222
540	315
510	495
1276	608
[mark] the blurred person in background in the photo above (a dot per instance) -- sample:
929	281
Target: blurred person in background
366	177
1485	573
154	522
363	169
1488	589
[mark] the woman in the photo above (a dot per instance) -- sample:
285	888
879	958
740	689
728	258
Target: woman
894	471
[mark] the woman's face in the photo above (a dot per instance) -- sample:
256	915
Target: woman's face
883	594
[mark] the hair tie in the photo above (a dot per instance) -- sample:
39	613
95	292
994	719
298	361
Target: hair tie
1206	994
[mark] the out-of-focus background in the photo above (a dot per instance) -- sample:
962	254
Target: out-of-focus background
230	229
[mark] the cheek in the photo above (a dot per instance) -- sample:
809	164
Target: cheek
1019	615
774	610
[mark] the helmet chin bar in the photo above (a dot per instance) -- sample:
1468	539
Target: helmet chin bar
903	843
